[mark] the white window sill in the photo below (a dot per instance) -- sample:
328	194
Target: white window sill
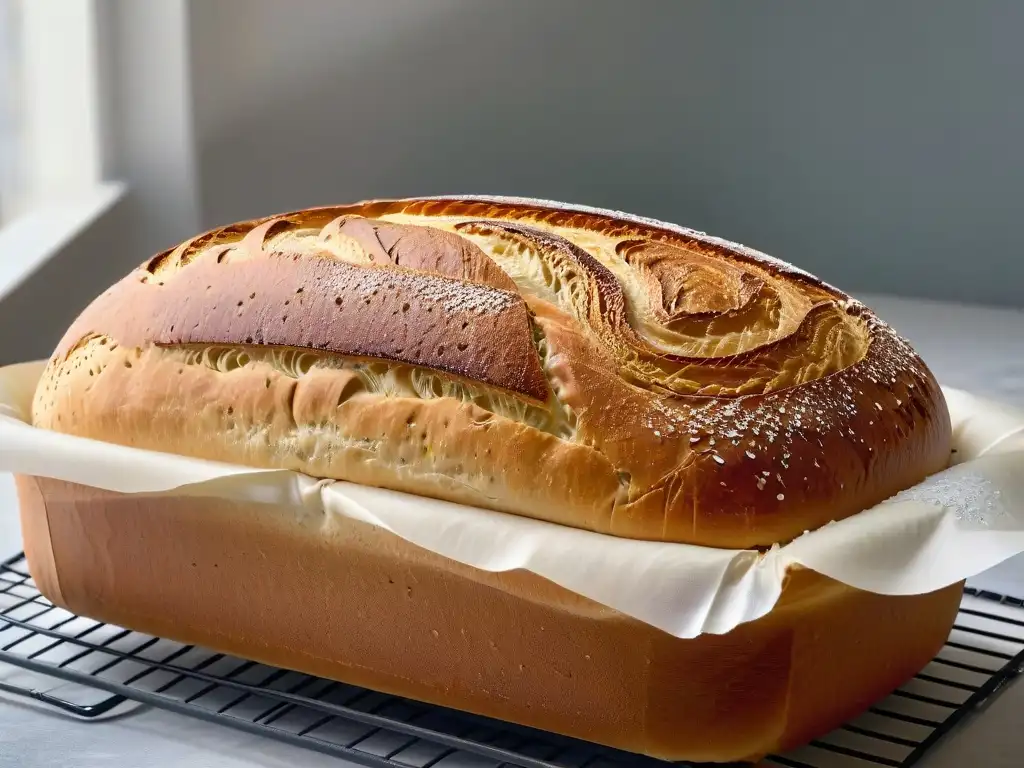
30	240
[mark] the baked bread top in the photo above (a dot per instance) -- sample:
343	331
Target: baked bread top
586	367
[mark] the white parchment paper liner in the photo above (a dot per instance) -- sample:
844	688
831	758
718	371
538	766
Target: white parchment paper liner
952	526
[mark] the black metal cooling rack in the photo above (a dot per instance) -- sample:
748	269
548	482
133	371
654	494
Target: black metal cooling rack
91	670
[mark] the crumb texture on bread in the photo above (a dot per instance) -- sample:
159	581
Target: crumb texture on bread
584	367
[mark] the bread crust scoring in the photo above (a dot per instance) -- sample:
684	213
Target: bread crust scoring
580	366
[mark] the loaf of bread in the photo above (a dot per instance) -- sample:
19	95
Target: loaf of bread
583	367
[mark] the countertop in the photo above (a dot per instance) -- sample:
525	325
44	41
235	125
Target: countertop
972	348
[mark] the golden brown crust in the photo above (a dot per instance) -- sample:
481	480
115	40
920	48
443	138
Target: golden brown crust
479	333
634	378
346	601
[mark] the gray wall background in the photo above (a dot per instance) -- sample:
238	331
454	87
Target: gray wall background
879	145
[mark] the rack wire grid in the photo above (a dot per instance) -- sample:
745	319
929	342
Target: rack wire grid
91	669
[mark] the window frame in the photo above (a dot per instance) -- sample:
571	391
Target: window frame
53	185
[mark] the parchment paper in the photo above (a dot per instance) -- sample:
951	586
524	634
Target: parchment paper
952	526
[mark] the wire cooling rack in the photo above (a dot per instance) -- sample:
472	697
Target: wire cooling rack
91	669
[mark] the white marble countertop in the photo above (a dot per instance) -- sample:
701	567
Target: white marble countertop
972	348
